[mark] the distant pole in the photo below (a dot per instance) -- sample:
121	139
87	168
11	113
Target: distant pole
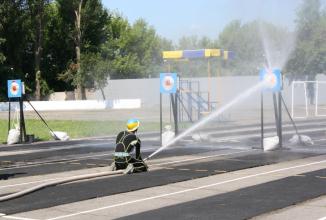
218	74
209	83
176	113
276	113
9	112
161	121
262	119
22	121
280	118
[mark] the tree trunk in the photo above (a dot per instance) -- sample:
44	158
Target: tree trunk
102	92
38	49
81	94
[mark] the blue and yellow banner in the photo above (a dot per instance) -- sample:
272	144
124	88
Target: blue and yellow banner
193	54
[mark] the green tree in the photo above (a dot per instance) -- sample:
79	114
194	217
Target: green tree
308	59
38	19
57	48
2	56
133	50
2	40
14	43
256	44
244	41
138	51
85	21
94	71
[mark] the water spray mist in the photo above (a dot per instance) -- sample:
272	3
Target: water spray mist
265	83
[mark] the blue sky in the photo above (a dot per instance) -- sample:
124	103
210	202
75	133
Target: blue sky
175	18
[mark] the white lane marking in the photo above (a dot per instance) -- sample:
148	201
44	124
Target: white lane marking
18	218
187	190
323	218
179	161
201	158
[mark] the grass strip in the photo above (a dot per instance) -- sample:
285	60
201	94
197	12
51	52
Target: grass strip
75	129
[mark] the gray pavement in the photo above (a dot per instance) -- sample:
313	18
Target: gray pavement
140	201
188	174
311	209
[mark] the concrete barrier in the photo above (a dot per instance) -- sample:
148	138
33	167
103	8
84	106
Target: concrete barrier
75	105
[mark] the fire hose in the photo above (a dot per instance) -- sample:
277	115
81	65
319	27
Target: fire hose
62	181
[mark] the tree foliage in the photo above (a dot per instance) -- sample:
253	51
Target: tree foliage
309	57
133	49
42	44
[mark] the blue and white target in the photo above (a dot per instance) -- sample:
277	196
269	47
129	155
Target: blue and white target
14	88
272	79
168	82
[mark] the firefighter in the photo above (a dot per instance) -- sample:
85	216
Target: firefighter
126	143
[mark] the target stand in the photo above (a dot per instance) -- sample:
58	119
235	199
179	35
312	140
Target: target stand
273	83
15	94
169	85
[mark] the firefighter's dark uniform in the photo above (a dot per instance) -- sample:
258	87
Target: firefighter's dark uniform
125	143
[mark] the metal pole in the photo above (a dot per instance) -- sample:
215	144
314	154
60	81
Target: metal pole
275	113
190	101
161	121
306	100
209	84
316	99
198	101
262	120
9	115
22	121
173	110
180	113
218	77
170	111
292	98
280	118
176	114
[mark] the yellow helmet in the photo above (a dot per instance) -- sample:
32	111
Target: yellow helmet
133	124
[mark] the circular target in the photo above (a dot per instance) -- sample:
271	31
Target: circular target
270	79
14	88
168	83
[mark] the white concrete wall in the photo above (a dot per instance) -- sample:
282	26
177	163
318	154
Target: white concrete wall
74	105
223	89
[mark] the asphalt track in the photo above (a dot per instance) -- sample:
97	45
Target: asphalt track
219	154
109	186
246	203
